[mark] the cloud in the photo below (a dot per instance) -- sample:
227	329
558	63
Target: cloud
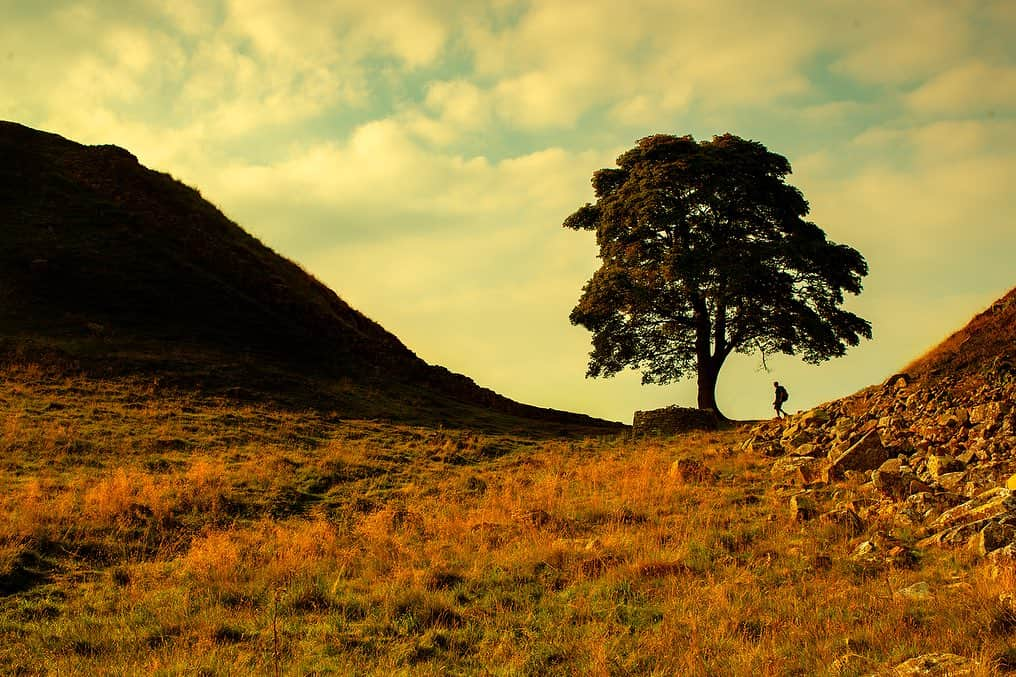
334	32
921	200
969	88
384	181
556	63
899	43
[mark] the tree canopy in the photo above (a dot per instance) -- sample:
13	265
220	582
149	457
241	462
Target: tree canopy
705	251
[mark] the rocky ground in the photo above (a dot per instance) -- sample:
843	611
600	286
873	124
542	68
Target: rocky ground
934	456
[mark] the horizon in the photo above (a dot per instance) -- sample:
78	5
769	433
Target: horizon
421	164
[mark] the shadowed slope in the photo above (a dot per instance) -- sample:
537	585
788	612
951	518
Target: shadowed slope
985	343
116	265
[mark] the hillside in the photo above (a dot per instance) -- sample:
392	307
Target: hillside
985	344
112	267
146	530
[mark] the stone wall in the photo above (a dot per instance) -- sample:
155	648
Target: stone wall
672	420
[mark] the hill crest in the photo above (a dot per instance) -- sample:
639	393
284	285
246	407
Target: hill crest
108	261
984	343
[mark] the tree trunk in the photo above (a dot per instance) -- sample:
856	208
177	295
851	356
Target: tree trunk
708	372
708	365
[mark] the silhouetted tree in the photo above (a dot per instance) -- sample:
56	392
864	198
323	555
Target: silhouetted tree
705	251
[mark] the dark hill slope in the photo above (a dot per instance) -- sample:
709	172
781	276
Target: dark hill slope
987	342
111	263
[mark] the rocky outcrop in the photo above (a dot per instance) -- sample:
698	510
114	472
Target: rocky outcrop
672	420
935	453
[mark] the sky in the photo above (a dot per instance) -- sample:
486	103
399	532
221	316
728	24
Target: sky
419	157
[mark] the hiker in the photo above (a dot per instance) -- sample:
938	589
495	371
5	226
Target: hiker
781	397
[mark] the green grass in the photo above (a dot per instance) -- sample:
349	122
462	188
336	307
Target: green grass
145	530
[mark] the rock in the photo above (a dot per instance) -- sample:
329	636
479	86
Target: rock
843	427
895	480
810	473
945	664
854	476
690	470
925	506
955	535
802	507
918	592
806	449
762	446
814	418
994	536
952	481
788	465
967	457
865	549
846	519
1002	560
988	504
896	381
939	464
989	414
792	430
867	454
950	419
902	557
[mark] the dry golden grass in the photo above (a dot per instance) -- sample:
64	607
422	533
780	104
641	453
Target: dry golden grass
251	539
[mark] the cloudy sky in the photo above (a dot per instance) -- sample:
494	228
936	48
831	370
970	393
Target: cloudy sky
419	156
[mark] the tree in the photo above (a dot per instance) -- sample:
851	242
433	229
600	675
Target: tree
705	251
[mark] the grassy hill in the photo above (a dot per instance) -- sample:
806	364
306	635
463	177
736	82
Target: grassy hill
155	530
149	531
107	266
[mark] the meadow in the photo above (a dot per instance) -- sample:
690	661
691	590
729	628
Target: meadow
148	530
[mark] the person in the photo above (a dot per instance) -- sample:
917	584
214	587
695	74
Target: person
781	397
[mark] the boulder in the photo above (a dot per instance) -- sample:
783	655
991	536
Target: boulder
940	464
1004	557
992	503
952	481
893	479
802	507
945	664
799	469
994	536
990	510
807	449
925	506
864	549
813	418
867	453
917	592
988	415
690	470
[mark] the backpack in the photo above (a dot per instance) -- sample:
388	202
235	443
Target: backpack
782	395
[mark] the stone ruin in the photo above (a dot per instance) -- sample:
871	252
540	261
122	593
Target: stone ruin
672	420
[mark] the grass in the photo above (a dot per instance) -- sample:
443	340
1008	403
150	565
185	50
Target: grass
151	531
